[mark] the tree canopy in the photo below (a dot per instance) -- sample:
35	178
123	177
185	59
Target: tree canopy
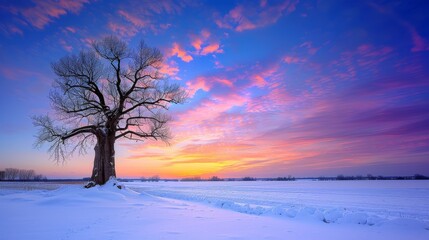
105	93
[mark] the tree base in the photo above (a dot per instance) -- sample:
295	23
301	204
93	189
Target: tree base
90	184
118	185
112	181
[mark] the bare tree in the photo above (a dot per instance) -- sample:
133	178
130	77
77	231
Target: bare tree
25	174
40	177
104	94
11	173
154	178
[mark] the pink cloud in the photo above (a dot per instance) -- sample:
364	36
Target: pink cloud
11	29
276	99
178	51
138	22
368	50
66	46
211	48
134	21
123	31
258	81
200	39
167	6
204	45
267	76
218	64
224	81
165	25
236	18
87	41
309	45
71	29
365	57
206	84
212	108
197	84
293	59
170	69
247	17
372	56
141	16
205	34
196	43
45	11
16	30
419	43
18	74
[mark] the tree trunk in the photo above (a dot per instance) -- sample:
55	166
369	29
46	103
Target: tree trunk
104	159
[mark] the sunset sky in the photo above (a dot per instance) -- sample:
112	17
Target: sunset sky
277	88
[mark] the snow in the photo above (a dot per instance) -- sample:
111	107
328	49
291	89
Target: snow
216	210
360	202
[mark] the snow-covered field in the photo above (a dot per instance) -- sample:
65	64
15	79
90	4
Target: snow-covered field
217	210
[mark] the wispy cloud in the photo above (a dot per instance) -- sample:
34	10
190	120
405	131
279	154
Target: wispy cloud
65	45
293	59
71	29
139	16
206	83
177	50
418	42
204	44
123	30
132	19
211	48
170	69
251	15
43	12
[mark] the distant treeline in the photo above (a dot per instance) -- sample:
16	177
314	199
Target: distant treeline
150	179
216	178
371	177
341	177
15	174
